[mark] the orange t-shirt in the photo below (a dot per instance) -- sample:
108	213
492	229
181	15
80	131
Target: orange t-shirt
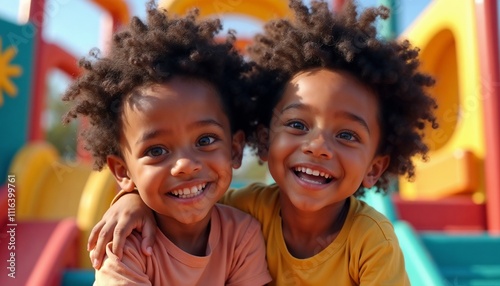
235	255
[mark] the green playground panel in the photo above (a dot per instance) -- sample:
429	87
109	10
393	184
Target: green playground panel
465	259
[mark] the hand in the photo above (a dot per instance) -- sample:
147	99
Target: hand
128	213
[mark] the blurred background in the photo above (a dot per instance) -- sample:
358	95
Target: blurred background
447	219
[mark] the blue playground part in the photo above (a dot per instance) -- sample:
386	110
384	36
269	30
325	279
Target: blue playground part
420	265
472	259
78	277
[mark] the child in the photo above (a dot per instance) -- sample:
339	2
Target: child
341	111
162	116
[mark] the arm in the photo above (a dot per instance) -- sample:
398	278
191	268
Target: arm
128	212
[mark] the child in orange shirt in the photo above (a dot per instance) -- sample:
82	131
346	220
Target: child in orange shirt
341	111
166	115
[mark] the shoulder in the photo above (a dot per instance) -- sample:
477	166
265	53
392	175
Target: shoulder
132	243
231	217
366	219
132	265
256	199
375	254
239	231
132	253
255	190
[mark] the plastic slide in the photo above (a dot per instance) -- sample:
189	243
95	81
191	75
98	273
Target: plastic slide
420	266
57	204
39	252
465	259
438	258
36	253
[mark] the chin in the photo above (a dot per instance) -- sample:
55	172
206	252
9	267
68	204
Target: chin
190	218
308	207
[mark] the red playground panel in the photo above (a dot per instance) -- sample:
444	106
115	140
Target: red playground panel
37	253
453	214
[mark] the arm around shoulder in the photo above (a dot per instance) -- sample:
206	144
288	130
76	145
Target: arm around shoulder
130	270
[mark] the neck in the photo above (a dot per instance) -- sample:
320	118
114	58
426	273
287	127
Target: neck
308	233
192	238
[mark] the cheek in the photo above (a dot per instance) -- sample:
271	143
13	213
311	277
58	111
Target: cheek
221	163
282	143
150	175
277	142
353	163
280	147
225	171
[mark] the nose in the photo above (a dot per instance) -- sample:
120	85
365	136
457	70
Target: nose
185	166
317	146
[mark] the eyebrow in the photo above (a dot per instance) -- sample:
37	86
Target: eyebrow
344	114
206	122
149	134
354	117
294	105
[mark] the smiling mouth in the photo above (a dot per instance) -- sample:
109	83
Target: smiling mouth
187	193
312	176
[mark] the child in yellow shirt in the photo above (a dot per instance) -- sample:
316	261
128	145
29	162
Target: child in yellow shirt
341	111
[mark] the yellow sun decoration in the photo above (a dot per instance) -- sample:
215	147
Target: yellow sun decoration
7	71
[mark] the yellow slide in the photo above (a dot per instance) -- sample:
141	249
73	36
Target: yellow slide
446	33
50	189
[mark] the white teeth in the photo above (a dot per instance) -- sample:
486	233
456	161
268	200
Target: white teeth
189	192
194	189
310	171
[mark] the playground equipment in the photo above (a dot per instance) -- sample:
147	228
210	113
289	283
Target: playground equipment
447	221
453	206
51	204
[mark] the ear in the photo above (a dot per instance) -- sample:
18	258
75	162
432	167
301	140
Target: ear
237	147
377	168
119	169
263	142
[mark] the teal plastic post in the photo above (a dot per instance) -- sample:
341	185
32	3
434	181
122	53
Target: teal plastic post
421	268
389	27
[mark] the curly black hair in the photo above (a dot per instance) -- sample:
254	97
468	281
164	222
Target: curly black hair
151	52
344	41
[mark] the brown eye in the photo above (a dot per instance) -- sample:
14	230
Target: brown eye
297	125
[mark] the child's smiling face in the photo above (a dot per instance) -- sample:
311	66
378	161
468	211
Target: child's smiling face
178	148
323	139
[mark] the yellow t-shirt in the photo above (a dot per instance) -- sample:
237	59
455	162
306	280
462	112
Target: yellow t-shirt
365	252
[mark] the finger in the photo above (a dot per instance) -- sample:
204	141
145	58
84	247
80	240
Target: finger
95	263
122	231
148	237
91	242
105	236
